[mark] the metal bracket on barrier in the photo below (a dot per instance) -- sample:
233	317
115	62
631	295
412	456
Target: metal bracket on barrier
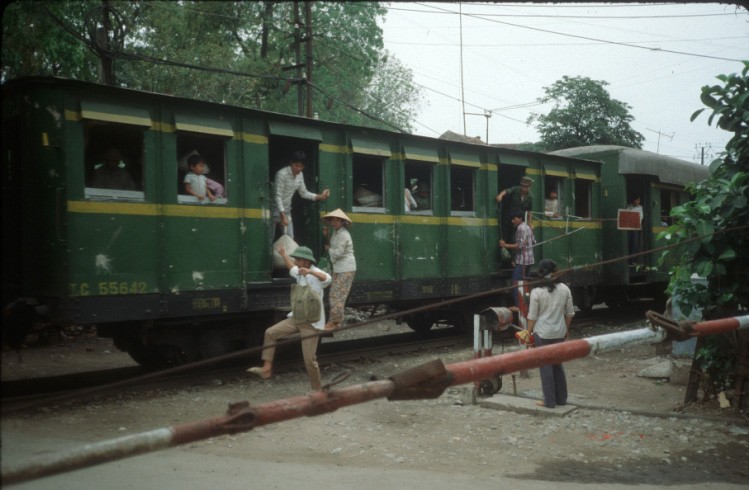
421	382
676	330
240	417
495	319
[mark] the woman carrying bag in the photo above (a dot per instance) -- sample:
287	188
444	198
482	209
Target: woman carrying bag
341	252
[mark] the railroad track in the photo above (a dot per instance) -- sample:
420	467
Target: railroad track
37	392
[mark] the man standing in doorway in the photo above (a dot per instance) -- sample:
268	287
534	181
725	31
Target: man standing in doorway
523	247
286	183
518	198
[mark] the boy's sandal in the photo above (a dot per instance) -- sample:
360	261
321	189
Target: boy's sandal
259	372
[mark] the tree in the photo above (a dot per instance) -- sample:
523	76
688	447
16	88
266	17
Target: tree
584	114
244	51
34	44
717	221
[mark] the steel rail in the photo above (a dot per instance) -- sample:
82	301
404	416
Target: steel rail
422	382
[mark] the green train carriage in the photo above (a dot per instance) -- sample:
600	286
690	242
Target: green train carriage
172	279
660	181
573	239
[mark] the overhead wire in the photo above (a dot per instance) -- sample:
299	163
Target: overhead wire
558	16
587	38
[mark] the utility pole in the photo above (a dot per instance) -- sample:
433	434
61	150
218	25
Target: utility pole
702	149
106	74
106	32
658	148
487	114
308	60
298	53
462	90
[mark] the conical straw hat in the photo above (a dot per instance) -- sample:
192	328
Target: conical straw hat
338	213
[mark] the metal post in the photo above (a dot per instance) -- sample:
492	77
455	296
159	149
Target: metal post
476	351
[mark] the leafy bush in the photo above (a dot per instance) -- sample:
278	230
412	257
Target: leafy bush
718	216
713	230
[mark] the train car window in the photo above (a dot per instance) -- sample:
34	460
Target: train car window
419	184
669	200
554	197
462	183
369	183
211	150
583	194
114	161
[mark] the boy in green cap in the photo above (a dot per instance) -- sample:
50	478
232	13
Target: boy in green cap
307	276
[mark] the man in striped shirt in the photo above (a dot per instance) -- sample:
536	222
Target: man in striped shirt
287	182
523	247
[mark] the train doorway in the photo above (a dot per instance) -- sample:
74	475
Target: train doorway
304	213
509	176
638	241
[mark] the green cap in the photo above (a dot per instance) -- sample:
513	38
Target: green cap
303	253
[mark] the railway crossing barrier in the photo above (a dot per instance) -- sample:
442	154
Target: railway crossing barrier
422	382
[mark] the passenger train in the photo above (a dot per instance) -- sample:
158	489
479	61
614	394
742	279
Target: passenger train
173	279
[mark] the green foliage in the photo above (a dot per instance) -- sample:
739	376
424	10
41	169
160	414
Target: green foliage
719	360
256	39
584	114
34	44
717	218
537	147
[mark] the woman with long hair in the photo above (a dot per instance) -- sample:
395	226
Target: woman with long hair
549	316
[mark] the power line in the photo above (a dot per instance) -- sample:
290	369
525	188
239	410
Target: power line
557	16
548	31
506	45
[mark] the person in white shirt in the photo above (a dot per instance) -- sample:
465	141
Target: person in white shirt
634	237
306	275
195	181
341	252
549	317
409	199
551	205
286	183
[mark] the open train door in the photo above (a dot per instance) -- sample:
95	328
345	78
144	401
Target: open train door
285	139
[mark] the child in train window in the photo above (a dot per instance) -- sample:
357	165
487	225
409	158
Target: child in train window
195	181
551	205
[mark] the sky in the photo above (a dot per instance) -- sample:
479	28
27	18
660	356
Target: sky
654	57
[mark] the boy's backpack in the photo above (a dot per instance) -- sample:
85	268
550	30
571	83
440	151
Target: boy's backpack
305	304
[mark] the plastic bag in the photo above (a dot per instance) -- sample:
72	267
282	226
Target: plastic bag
287	243
324	264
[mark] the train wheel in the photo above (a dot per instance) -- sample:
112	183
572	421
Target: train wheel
213	344
584	297
616	305
420	324
151	357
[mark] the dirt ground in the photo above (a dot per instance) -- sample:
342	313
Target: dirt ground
627	430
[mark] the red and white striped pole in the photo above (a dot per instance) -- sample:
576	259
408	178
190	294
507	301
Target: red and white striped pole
427	381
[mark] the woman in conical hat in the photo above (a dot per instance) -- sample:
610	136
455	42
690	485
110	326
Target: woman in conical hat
338	213
341	251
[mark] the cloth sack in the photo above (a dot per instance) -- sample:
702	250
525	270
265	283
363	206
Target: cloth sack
286	242
305	304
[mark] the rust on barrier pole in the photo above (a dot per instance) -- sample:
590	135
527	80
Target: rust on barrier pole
426	381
